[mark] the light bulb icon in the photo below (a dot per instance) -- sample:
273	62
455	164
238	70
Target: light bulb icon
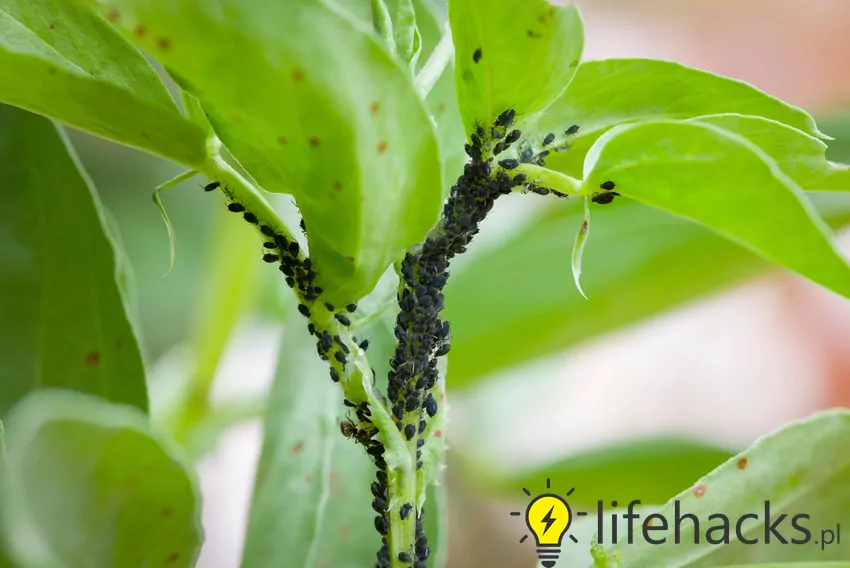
548	517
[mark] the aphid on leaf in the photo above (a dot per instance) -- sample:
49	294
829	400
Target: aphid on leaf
508	164
549	139
526	156
304	310
409	431
405	511
430	405
267	231
270	258
364	345
269	245
476	56
404	557
334	375
212	186
604	198
608	185
235	207
571	130
250	217
351	307
339	356
506	118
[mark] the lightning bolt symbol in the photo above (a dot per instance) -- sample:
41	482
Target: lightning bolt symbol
548	519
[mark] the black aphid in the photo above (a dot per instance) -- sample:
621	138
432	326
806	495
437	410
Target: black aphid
381	524
305	311
409	431
405	511
342	319
351	307
290	281
476	56
364	345
430	405
267	231
293	248
513	136
327	341
339	356
608	185
526	156
422	426
250	217
506	118
444	348
571	130
508	164
604	198
270	257
334	375
235	207
269	245
549	139
404	557
211	186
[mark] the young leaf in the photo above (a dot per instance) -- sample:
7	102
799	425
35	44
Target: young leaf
62	61
578	246
512	54
721	180
803	468
800	156
62	316
613	91
652	470
91	485
355	158
292	484
641	261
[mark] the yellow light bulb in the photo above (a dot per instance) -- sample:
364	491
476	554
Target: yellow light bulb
548	517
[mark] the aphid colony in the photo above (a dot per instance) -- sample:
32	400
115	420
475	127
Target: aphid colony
422	336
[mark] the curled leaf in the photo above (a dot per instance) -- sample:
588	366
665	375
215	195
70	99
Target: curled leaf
578	247
172	238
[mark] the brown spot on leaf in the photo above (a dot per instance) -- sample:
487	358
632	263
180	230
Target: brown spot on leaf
438	433
345	531
699	490
349	258
167	512
382	147
93	358
113	15
298	75
51	27
584	225
297	447
163	43
441	108
314	142
374	108
282	141
337	186
742	463
173	557
140	31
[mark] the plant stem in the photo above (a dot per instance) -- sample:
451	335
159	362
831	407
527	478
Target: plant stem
383	24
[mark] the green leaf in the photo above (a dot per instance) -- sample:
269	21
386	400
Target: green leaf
723	181
513	54
652	470
62	61
63	321
355	158
800	156
90	485
514	303
613	91
803	468
293	481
